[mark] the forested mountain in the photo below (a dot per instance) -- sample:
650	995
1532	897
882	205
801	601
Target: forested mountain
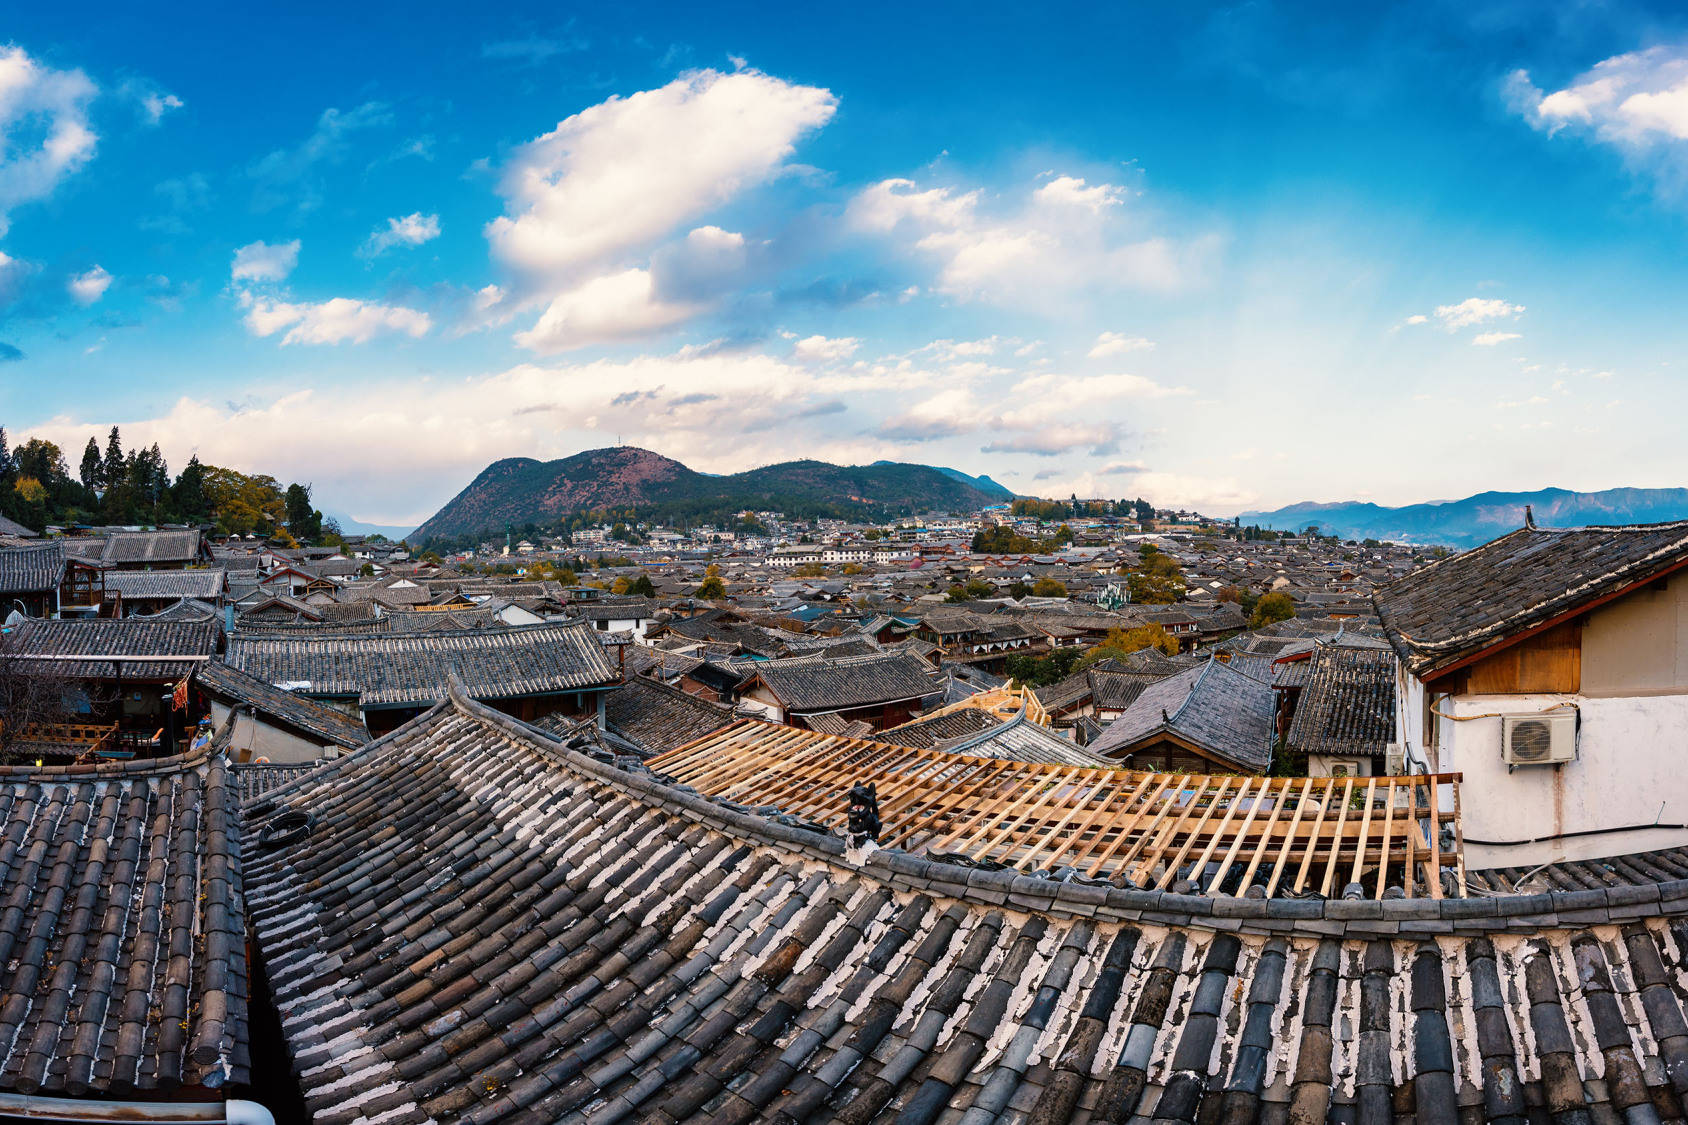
626	482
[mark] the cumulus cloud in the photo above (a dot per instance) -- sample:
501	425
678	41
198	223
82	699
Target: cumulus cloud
90	286
1636	103
1490	339
407	230
1474	310
1635	99
822	349
155	105
618	177
946	414
1067	236
263	261
336	321
1117	343
45	135
615	307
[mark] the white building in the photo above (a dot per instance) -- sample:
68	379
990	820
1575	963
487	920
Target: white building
1550	668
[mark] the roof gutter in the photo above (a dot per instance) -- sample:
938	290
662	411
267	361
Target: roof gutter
27	1107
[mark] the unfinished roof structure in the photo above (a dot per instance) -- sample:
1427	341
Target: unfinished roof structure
488	926
1130	828
1458	607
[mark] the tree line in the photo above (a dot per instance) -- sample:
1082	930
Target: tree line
117	487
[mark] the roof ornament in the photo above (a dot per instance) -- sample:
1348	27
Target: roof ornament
863	817
1529	517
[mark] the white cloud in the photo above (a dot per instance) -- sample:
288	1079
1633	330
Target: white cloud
1475	310
155	105
335	321
1417	318
44	130
1634	100
946	414
289	175
407	230
616	178
1066	238
617	306
1490	339
90	286
262	261
823	349
1060	392
1117	343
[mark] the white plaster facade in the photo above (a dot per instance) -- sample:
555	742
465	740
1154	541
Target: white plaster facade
1627	790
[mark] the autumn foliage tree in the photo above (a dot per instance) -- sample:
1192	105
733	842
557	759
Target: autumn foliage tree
1124	642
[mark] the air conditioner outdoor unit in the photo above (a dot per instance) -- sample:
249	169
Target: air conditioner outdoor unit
1395	760
1539	740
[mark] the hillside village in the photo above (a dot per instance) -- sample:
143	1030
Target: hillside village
986	738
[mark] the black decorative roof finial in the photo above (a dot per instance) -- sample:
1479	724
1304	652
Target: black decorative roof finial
1529	517
863	821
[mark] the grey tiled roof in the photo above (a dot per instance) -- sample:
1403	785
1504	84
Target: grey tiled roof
51	645
128	547
31	570
307	716
940	728
205	583
485	926
656	718
407	669
1217	708
1462	604
822	683
122	933
1348	703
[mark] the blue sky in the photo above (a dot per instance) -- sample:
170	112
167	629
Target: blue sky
1229	257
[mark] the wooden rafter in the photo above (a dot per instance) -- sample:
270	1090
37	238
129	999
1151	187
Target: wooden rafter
1220	833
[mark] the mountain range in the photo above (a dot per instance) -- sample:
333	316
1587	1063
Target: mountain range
517	491
1480	518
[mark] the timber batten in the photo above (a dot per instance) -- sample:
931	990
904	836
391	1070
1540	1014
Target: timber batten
1221	834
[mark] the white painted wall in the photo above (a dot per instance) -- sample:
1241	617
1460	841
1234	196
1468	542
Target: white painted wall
1632	754
282	748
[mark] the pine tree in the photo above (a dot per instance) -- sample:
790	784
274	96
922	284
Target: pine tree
92	466
116	469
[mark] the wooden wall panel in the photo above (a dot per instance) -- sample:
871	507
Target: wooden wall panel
1546	662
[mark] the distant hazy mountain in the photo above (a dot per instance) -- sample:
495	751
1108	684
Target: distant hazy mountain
983	483
520	490
357	527
1480	518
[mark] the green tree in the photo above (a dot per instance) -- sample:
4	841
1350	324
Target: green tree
809	570
1156	579
189	493
115	471
713	589
92	466
1270	609
974	589
1124	642
640	586
1041	671
1048	588
1018	590
303	521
